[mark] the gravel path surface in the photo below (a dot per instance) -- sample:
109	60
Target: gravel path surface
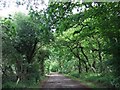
56	80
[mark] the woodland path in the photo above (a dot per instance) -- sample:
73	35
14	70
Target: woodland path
56	81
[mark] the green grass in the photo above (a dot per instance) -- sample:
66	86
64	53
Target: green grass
92	80
21	85
89	84
27	84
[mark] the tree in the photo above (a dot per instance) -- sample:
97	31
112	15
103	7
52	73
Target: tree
24	38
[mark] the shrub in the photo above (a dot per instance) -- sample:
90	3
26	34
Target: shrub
75	74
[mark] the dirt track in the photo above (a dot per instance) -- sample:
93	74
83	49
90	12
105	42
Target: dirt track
56	80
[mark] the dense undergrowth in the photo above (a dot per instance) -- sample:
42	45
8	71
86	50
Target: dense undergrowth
94	80
27	84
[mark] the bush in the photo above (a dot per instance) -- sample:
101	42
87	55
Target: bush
75	74
27	84
104	80
8	85
13	85
116	83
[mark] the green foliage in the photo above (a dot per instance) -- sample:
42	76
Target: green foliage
91	37
21	47
105	80
83	44
75	74
54	67
12	85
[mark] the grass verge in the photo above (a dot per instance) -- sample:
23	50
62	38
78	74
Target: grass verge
92	81
27	84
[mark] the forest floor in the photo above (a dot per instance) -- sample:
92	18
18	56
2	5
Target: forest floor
56	80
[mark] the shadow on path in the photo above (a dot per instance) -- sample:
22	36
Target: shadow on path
58	81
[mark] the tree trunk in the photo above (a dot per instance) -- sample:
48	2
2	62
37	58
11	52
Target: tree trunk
18	69
42	67
79	65
100	57
86	66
